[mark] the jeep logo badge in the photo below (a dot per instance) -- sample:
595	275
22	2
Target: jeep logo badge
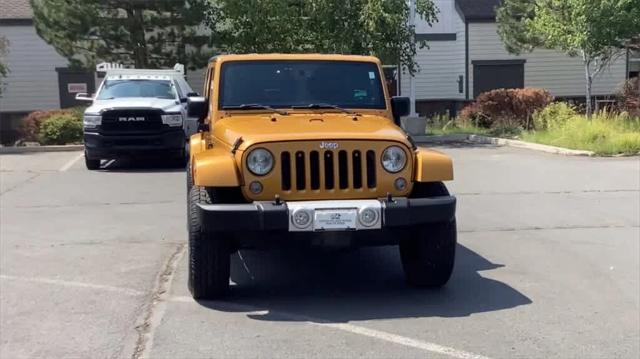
130	119
329	145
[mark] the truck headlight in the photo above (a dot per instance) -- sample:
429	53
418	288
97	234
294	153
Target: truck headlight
260	161
91	121
172	120
394	159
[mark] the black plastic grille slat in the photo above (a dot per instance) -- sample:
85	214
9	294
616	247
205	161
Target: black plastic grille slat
300	171
343	170
314	163
321	172
329	182
371	169
285	170
356	159
111	121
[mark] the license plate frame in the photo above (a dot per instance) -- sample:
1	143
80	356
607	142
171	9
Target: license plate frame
335	219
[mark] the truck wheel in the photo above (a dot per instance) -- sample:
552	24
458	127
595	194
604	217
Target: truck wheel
428	258
189	178
429	255
209	257
91	164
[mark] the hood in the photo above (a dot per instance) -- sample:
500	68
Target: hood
166	105
300	127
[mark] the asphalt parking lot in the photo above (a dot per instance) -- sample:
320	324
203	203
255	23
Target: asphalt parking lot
92	264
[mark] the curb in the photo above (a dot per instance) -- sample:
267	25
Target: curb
502	142
32	149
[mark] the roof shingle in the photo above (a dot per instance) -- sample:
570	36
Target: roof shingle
15	9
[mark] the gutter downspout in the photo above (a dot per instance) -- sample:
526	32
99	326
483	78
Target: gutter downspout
466	59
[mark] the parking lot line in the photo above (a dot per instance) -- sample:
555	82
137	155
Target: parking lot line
347	327
64	283
71	162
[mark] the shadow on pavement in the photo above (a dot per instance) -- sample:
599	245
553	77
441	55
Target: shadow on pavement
358	285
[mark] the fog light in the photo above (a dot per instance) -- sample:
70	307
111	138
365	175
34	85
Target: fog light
255	187
400	184
368	217
301	218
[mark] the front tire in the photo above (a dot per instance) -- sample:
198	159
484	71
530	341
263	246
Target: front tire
91	164
428	256
209	256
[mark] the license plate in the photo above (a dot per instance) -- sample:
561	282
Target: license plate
335	219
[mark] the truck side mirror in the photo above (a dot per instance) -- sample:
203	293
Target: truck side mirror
400	106
197	107
83	97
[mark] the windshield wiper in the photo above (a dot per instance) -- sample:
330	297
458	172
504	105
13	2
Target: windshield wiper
255	106
323	105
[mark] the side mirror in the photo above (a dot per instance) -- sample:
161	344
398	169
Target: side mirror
400	106
197	107
83	97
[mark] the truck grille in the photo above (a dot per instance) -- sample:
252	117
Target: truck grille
111	121
328	170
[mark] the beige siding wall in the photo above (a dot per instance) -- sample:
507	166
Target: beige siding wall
32	83
441	63
560	74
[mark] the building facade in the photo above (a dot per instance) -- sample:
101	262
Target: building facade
465	57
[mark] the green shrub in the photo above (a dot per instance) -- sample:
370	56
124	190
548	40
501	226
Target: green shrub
30	125
506	108
61	129
629	97
555	115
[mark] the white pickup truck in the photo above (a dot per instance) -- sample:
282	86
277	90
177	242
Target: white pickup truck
137	113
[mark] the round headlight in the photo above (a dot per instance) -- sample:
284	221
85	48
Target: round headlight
394	159
260	161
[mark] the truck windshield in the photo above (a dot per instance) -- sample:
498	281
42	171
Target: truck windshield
299	84
113	89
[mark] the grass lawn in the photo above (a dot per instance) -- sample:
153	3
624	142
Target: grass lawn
605	134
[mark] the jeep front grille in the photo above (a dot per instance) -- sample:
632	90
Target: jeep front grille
304	170
317	170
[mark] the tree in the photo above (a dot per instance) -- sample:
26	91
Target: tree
144	33
366	27
4	49
595	30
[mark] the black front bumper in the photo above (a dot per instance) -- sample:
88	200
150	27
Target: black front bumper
268	216
170	143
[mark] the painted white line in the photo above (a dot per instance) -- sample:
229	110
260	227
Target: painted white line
71	162
350	328
64	283
108	163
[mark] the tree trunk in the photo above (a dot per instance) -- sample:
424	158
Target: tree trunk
589	104
589	78
139	42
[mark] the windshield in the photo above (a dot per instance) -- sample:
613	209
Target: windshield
137	88
286	84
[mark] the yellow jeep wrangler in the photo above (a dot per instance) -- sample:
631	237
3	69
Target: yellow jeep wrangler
307	149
